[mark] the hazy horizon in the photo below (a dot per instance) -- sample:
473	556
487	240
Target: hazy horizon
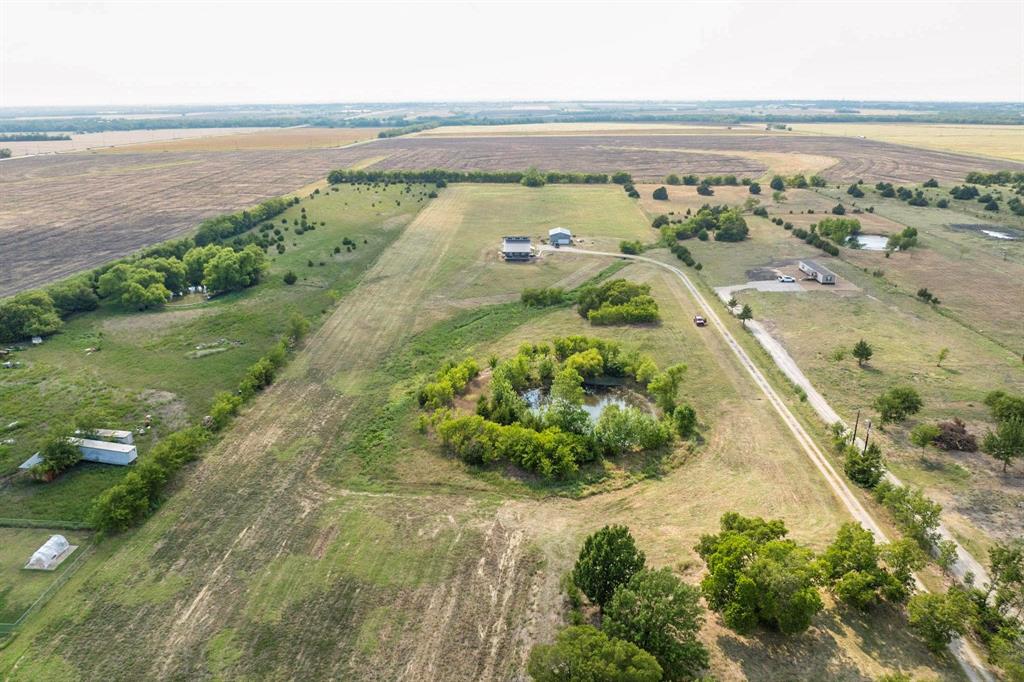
164	54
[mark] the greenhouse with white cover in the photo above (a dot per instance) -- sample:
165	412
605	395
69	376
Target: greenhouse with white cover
51	554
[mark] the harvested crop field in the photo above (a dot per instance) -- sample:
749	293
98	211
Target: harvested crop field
266	139
654	156
1003	142
132	139
65	213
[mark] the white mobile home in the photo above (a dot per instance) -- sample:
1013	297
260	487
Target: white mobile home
104	452
817	272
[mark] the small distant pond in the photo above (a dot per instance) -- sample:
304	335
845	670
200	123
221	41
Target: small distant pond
870	242
595	400
999	235
991	231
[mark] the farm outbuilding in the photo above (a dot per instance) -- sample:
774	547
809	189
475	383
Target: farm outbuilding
104	452
115	435
99	451
817	272
560	236
516	248
51	554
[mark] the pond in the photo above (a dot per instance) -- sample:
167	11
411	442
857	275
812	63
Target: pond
870	242
595	400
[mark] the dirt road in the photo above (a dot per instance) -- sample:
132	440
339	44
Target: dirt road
966	656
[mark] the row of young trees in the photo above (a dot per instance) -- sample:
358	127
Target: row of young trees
531	177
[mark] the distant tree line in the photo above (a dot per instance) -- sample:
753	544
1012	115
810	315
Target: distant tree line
33	137
436	175
406	130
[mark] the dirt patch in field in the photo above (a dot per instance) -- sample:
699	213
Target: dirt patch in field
166	407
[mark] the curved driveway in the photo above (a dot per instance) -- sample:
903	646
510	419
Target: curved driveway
968	659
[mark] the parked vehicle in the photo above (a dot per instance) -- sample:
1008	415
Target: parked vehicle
785	279
700	321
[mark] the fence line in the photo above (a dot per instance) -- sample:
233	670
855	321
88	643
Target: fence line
43	598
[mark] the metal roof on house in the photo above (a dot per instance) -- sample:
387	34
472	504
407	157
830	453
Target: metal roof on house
559	230
102	445
31	461
813	265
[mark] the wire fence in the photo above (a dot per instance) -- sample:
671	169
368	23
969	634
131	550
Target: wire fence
42	599
43	523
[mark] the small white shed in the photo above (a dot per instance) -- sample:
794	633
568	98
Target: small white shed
560	236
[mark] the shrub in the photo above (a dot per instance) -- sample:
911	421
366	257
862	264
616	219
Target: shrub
917	515
924	434
582	652
31	313
224	407
660	194
898	403
58	454
938	618
864	467
543	297
290	278
631	247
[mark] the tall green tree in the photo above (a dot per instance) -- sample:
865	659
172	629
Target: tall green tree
662	615
1006	443
746	314
609	558
31	313
757	576
938	618
863	351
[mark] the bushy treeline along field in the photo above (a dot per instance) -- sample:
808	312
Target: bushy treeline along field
372	448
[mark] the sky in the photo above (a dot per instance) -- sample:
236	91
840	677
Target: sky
190	52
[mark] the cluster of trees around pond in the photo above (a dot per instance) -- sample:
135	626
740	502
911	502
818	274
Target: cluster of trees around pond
220	258
758	578
556	440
